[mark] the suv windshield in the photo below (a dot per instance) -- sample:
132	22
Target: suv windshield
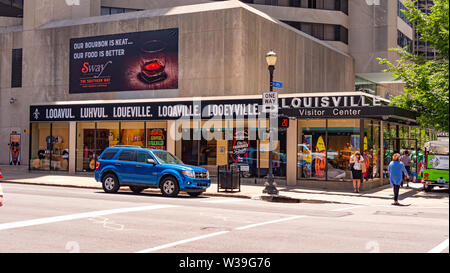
167	158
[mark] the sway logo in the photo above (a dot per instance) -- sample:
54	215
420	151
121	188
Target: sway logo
95	69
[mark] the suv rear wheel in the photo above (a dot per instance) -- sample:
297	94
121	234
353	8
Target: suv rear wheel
169	186
110	183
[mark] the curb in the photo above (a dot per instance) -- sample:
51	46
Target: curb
263	197
99	187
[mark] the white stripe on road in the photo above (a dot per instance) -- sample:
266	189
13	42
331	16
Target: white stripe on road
224	200
439	248
270	222
347	208
76	216
182	242
215	234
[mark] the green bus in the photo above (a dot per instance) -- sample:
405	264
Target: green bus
435	171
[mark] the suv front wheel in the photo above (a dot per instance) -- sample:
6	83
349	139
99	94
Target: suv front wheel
110	183
169	187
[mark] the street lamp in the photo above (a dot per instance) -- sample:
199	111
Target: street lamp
270	185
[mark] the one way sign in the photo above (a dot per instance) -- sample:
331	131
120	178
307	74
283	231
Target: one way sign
270	102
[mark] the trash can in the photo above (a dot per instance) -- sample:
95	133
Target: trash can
228	178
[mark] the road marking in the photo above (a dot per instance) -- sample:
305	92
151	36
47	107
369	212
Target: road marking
182	242
224	200
215	234
270	222
76	216
347	208
439	248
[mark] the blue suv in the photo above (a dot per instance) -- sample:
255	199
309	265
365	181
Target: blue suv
141	168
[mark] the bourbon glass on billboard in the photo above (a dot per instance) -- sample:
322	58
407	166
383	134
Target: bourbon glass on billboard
153	61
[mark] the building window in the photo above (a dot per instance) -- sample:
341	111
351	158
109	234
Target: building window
403	40
324	32
272	2
111	10
11	8
16	68
400	13
339	5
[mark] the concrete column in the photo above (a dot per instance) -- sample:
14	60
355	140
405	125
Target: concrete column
72	145
171	133
291	154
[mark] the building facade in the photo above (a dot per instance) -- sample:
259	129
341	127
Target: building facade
420	46
187	79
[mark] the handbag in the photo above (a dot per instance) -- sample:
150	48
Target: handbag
350	166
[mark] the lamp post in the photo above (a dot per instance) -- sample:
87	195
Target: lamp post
270	185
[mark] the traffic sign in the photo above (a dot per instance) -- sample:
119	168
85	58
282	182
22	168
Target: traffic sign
270	102
278	84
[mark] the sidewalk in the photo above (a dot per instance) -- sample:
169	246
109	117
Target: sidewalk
379	196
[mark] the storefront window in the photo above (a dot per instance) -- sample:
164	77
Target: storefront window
60	147
371	148
107	135
85	146
132	133
157	135
343	141
388	146
230	142
311	150
92	140
279	159
188	145
41	146
50	146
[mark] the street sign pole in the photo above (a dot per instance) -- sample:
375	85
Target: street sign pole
270	101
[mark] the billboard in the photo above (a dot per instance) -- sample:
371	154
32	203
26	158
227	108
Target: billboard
145	60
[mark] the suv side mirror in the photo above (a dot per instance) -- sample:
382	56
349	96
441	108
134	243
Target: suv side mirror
151	161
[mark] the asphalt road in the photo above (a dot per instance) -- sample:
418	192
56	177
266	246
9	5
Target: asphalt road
57	219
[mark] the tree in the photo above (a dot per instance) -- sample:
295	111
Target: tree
426	81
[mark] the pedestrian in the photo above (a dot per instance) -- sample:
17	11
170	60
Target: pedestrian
406	160
357	166
396	170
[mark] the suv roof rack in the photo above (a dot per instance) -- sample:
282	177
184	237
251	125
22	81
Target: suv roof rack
127	146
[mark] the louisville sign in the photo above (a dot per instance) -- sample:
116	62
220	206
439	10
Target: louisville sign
357	106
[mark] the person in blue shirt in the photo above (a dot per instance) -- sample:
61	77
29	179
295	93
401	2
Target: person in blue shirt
396	170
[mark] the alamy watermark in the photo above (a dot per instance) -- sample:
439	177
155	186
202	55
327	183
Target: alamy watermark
72	2
226	123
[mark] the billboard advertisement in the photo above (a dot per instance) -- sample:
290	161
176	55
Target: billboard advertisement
145	60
